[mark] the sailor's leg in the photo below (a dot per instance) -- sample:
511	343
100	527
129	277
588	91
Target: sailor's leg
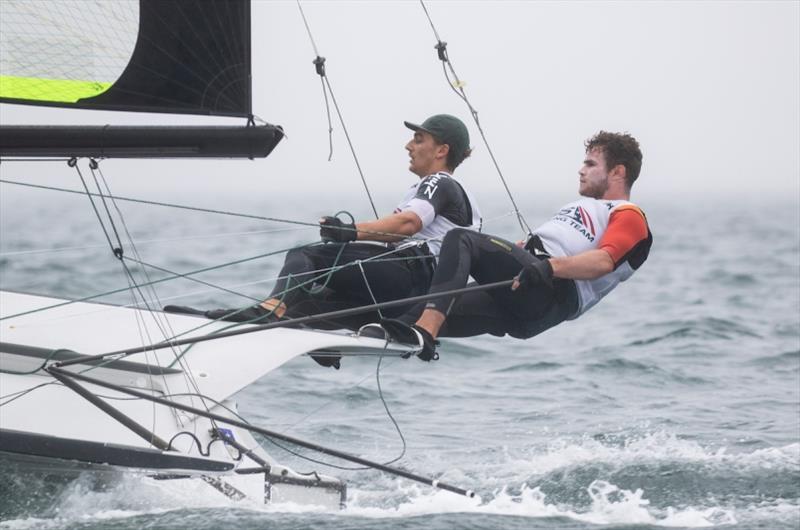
298	267
464	253
380	276
327	302
488	259
305	266
475	313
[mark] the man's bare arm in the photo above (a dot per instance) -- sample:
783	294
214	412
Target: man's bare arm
588	265
390	228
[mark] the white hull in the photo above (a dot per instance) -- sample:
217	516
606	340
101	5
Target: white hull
42	421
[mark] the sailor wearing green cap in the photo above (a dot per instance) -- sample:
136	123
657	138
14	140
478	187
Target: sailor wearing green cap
434	205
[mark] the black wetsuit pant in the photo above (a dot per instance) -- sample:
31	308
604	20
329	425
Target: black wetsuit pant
387	275
499	311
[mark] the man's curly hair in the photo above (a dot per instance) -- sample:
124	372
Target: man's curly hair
618	148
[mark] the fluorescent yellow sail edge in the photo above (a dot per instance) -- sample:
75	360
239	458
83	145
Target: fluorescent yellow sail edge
53	90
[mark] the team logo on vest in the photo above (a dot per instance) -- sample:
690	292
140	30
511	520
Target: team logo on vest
431	184
579	219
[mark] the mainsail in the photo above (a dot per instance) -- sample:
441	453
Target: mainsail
167	56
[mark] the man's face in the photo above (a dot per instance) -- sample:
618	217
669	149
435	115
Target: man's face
593	175
426	156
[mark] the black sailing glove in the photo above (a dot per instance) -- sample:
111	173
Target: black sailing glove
539	271
333	230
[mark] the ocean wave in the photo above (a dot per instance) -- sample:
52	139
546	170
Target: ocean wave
609	505
625	366
529	367
658	446
701	328
789	360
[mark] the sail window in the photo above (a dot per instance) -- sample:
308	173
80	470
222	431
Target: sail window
63	51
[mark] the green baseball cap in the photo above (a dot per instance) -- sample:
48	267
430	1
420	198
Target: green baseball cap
446	129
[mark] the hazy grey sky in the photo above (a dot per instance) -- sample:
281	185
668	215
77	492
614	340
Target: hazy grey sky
710	89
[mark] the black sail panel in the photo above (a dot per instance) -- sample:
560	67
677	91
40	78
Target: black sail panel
190	56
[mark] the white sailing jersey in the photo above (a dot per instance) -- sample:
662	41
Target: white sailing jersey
442	204
578	227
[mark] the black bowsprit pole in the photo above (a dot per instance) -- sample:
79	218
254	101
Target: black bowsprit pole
61	374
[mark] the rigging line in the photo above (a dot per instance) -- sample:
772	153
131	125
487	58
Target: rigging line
132	289
177	275
209	210
327	275
369	288
23	393
74	163
319	65
308	29
118	252
152	241
458	88
139	325
168	205
179	356
164	328
65	376
160	280
318	274
270	280
92	166
40	367
197	271
388	412
328	272
435	33
131	424
293	322
352	149
290	426
330	123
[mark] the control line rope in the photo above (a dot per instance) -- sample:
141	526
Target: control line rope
458	87
319	65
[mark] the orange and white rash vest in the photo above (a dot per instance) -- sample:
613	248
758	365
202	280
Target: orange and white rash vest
618	227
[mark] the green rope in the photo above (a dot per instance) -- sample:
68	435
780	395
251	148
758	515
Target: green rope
40	367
